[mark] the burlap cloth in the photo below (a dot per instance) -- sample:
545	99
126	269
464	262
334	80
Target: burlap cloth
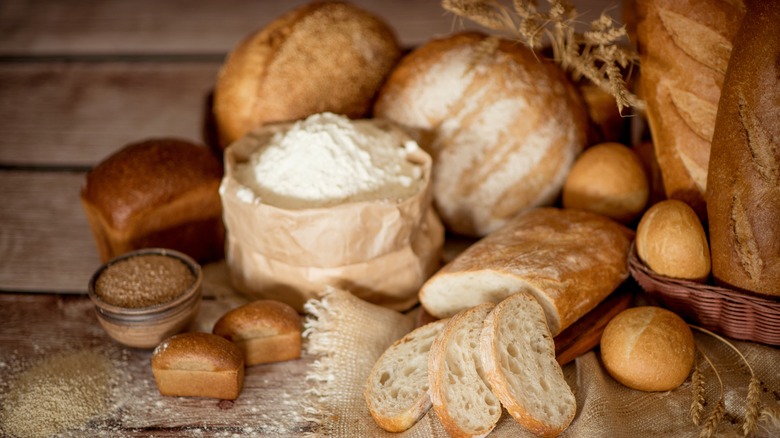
349	334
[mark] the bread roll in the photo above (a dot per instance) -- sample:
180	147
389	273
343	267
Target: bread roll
503	126
324	56
684	47
161	192
570	260
743	190
648	348
264	330
198	365
671	241
607	178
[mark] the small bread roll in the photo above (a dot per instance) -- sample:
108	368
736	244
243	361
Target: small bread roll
324	56
648	348
608	179
264	330
198	365
671	241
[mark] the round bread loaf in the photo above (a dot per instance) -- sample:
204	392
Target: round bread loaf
325	56
671	241
607	179
648	348
502	125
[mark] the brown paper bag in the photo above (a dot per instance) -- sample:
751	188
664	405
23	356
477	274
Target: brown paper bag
381	251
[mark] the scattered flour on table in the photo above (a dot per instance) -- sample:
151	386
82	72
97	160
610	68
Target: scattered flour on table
329	159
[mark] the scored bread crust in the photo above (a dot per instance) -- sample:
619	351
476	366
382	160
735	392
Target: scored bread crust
569	259
269	76
503	126
397	387
458	368
519	364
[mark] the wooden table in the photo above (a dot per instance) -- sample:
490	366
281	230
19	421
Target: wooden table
79	80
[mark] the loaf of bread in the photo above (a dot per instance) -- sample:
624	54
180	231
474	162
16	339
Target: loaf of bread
570	260
461	398
608	179
743	191
198	365
648	348
671	241
397	388
264	330
502	125
323	56
160	192
518	354
684	48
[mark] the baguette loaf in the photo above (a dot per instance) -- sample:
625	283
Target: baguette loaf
198	365
265	330
323	56
684	48
518	354
397	388
461	397
743	191
570	260
503	126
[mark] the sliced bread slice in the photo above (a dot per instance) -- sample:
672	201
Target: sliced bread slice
397	388
519	356
460	394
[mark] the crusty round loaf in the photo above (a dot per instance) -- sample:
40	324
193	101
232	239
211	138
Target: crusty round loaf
502	125
265	331
159	192
671	241
198	365
324	56
608	179
648	348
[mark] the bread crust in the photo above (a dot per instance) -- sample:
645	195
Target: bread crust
323	56
569	259
743	190
157	192
684	47
503	126
198	365
265	330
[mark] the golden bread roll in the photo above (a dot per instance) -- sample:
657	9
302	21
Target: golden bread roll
198	365
264	330
648	348
607	178
324	56
502	125
161	192
671	241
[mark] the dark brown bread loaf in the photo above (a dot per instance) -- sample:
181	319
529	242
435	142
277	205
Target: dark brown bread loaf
743	188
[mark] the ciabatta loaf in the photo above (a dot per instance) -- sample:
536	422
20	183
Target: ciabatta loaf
397	388
684	48
743	192
570	260
461	397
518	354
503	126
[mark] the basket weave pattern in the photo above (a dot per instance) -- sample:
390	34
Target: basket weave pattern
725	311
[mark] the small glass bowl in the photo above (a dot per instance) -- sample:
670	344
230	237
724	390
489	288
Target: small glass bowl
146	327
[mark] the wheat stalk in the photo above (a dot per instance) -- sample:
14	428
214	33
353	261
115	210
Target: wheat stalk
716	416
697	390
596	54
753	405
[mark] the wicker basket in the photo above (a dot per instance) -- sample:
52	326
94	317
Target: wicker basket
725	311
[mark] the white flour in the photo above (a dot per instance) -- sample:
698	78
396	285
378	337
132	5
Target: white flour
329	159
